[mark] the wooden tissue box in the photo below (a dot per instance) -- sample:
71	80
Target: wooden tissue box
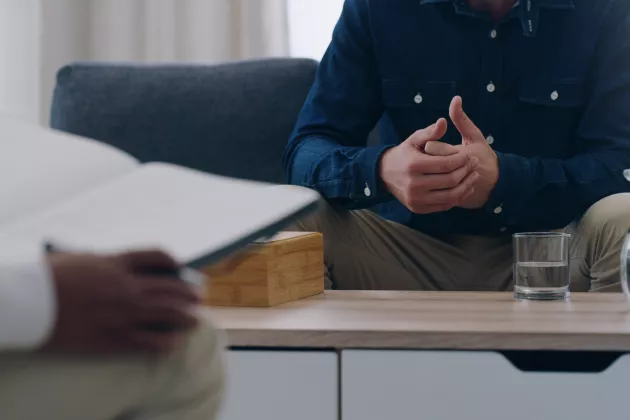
286	268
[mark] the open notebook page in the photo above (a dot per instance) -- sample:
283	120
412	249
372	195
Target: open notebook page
197	217
40	167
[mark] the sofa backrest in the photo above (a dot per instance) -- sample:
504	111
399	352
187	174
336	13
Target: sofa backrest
231	119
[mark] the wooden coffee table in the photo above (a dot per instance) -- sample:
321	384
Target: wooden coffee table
375	355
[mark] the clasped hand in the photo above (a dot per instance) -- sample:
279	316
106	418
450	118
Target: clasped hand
429	176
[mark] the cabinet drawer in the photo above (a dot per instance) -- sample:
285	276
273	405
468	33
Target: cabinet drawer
281	385
391	385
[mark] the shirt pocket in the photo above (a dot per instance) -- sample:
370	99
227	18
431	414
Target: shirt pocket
414	105
549	113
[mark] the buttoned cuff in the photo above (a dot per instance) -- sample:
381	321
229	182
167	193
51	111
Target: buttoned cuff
359	185
513	173
369	186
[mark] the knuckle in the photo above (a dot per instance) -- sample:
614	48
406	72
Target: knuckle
415	202
461	160
421	197
409	167
407	187
460	199
448	164
456	194
418	186
470	181
410	196
452	180
414	190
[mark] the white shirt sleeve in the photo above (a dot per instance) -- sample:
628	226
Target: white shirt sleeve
27	300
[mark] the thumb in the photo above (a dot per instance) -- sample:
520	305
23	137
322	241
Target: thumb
464	125
434	132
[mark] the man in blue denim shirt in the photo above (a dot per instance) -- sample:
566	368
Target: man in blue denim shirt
543	144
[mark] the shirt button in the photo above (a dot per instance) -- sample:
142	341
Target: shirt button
491	87
490	140
498	210
418	99
367	191
555	95
626	174
493	34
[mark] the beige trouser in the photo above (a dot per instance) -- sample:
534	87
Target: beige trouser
186	385
366	252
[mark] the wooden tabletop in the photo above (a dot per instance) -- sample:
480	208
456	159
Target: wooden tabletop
421	320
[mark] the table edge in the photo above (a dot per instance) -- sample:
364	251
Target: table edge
405	340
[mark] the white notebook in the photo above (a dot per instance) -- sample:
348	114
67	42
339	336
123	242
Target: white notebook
87	196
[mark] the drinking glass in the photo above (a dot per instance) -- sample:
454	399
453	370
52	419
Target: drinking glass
541	266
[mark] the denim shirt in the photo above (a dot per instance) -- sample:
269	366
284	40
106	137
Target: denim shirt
549	85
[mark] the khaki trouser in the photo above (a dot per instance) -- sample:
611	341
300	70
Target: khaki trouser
366	252
185	385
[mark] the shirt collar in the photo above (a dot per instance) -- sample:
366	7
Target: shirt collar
551	4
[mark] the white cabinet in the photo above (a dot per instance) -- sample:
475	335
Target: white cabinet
282	385
392	385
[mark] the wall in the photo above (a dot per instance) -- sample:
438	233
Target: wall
311	24
19	58
63	40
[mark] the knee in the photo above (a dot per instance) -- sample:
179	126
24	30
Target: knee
611	215
328	220
203	364
207	347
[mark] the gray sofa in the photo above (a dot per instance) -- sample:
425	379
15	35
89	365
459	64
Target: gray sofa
231	119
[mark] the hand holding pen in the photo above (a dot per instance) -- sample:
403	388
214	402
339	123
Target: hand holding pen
125	303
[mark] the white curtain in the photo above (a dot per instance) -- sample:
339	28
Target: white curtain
184	30
19	59
46	34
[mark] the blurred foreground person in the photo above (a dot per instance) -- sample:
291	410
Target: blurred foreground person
104	337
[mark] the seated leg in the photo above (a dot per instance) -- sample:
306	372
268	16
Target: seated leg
366	252
600	236
186	385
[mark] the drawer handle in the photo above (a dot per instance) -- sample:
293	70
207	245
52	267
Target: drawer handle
562	361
